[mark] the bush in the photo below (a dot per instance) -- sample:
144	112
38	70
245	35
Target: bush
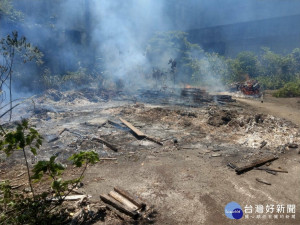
270	83
37	208
290	89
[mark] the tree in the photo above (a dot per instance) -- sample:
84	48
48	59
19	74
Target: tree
244	66
173	45
10	47
296	58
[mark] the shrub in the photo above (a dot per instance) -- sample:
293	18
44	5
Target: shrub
17	208
290	89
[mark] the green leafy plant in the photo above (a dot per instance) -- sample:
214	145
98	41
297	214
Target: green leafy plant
290	89
17	208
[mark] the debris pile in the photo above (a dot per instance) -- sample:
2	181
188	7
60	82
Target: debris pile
247	88
123	204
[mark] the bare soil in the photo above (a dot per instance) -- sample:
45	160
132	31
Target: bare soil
287	108
187	180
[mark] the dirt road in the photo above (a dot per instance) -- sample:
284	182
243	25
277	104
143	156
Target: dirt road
287	108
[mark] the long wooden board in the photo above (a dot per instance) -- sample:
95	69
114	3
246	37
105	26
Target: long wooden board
133	128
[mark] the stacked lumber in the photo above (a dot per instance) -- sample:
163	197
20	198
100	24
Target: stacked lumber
122	201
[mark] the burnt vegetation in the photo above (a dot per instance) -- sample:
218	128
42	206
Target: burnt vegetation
87	88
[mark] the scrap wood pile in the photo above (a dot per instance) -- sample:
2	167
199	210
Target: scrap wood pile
124	205
184	96
199	95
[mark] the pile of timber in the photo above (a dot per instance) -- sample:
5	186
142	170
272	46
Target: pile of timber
192	91
199	95
223	98
194	95
121	201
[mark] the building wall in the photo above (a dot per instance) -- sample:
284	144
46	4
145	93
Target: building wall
281	34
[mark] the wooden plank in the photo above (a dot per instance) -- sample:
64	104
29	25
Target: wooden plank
140	133
134	129
119	206
112	147
131	198
254	163
123	200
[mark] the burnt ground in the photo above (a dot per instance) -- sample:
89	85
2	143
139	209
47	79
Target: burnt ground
187	180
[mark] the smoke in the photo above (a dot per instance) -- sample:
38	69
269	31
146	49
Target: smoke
114	33
122	33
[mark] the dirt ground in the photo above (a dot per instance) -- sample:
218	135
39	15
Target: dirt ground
187	180
288	108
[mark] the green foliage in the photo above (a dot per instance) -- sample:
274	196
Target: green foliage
17	208
53	169
276	66
270	83
37	209
208	70
84	158
290	89
243	66
272	70
296	57
13	50
24	136
173	45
